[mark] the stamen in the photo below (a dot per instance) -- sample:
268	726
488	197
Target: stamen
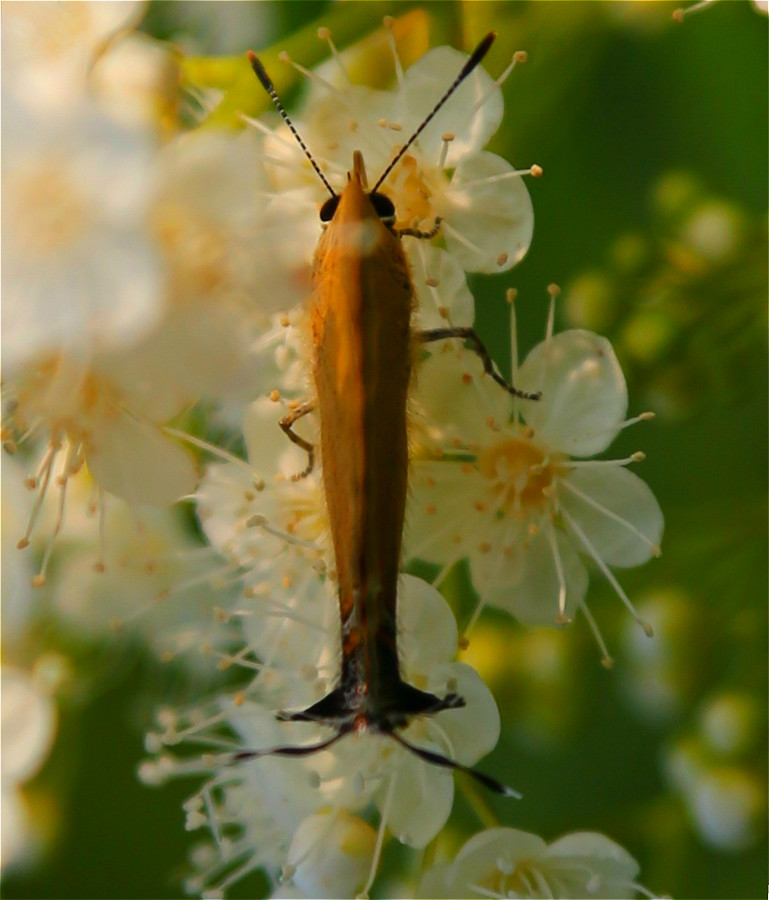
638	456
250	865
43	478
284	57
473	620
553	291
510	296
388	26
679	14
325	35
543	887
562	618
518	58
654	548
41	576
385	814
607	573
485	892
534	170
258	521
210	448
446	143
461	238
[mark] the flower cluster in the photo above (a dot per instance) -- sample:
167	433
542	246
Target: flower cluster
155	294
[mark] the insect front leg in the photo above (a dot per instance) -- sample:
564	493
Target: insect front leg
469	334
422	235
286	424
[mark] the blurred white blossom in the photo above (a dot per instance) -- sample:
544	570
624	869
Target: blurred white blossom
29	721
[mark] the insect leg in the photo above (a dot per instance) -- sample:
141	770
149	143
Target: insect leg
469	334
286	424
423	235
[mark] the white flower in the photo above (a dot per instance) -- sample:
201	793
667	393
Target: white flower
518	498
91	412
505	862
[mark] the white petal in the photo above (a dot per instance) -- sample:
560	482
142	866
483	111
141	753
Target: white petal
446	300
584	395
331	854
447	514
134	460
627	497
495	216
426	625
533	596
422	799
473	730
597	847
426	82
458	402
478	859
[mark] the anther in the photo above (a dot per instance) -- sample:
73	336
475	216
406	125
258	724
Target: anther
510	295
638	456
275	396
536	171
607	662
520	56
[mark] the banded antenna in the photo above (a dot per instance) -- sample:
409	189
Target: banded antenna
266	82
475	58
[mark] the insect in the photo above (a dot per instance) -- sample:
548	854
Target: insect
364	350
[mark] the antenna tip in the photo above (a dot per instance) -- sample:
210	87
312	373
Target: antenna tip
259	71
480	51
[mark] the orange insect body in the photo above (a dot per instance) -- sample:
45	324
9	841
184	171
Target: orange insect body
361	327
363	355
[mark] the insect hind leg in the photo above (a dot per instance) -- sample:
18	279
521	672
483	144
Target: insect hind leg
286	424
470	334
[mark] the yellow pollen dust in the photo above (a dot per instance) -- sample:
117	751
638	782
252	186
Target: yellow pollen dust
521	475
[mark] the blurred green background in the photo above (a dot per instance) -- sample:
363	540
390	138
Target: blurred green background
651	215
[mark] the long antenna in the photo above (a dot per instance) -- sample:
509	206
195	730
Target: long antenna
475	57
264	80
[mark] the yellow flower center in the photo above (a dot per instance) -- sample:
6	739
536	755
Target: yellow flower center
412	194
67	397
521	475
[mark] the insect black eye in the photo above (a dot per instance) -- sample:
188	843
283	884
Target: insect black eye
384	207
328	209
